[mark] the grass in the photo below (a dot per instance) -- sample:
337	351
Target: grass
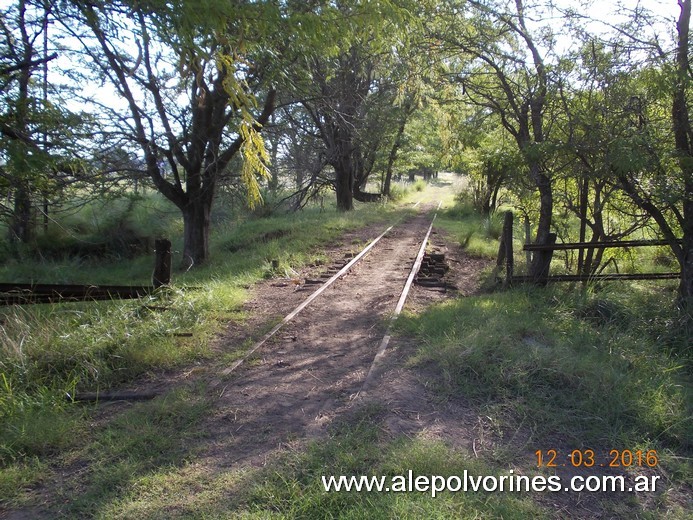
603	367
556	367
151	437
49	351
552	356
290	485
17	478
98	345
478	234
293	488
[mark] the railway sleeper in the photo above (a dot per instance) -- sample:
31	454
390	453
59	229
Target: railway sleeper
432	271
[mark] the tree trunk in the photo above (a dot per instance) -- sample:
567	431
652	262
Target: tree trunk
539	269
343	187
582	214
393	151
21	228
485	203
196	225
686	283
684	149
345	176
274	180
495	191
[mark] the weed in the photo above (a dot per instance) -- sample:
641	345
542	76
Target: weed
398	192
493	226
477	234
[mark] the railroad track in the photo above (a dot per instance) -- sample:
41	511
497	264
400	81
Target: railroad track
340	318
325	354
413	268
320	358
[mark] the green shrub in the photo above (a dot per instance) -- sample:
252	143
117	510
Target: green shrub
398	192
493	226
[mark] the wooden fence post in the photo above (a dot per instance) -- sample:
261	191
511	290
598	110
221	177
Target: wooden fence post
508	247
162	262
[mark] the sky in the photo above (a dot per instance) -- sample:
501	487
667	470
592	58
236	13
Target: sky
605	11
603	8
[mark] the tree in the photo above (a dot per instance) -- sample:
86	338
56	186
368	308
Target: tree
337	111
403	115
597	100
477	145
649	154
489	52
38	135
189	80
20	61
345	83
302	158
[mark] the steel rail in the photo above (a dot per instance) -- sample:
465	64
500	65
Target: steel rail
305	303
398	309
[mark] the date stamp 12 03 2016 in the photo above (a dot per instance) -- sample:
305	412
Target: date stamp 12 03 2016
588	458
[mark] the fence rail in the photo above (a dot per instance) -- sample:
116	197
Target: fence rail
23	293
602	277
595	245
505	258
19	294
